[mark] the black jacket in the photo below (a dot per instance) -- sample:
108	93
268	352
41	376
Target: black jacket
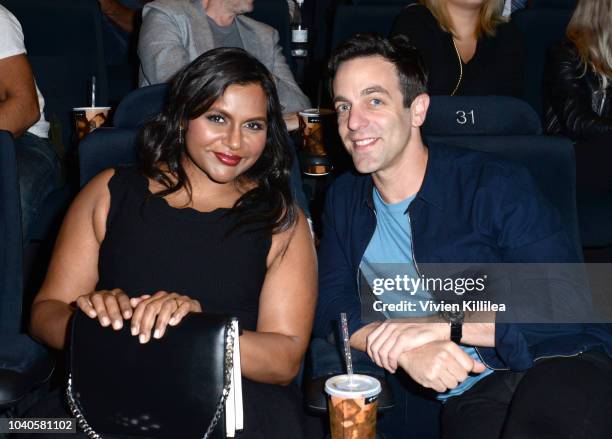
495	69
575	104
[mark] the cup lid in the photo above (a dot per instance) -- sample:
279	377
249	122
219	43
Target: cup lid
90	108
316	112
361	386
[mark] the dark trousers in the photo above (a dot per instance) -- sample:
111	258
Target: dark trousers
593	158
558	398
39	174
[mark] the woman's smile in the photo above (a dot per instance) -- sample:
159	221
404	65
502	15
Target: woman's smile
229	160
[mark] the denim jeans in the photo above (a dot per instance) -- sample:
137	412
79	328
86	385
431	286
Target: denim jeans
39	172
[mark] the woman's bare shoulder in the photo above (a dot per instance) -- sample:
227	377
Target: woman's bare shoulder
298	235
93	203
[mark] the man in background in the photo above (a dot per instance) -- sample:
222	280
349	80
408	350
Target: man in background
21	113
175	33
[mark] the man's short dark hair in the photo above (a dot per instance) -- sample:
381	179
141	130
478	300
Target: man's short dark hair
398	51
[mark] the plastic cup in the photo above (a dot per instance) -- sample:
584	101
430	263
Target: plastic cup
87	119
352	406
313	142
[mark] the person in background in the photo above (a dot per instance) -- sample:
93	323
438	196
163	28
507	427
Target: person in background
174	33
120	24
578	91
467	46
213	189
21	113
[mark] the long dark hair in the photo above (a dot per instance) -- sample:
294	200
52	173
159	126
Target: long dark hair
192	91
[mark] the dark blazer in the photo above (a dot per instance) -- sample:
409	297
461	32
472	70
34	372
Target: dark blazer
471	207
495	69
575	103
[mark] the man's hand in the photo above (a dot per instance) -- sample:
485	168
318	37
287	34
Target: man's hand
161	309
292	121
391	339
440	365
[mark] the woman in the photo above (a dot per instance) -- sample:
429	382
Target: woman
207	224
578	91
578	75
466	45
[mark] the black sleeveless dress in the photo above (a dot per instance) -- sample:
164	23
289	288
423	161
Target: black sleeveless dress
150	246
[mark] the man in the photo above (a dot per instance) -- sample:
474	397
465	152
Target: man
174	33
415	204
21	113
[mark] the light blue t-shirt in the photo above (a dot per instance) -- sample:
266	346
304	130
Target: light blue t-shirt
389	256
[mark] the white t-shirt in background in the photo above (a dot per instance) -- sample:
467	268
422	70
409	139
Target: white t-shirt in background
11	44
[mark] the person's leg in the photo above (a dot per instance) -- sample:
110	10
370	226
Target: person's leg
479	413
39	174
563	398
593	159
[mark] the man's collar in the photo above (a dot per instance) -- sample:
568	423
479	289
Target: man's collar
432	189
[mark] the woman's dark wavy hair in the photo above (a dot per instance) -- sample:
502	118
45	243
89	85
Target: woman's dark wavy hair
192	91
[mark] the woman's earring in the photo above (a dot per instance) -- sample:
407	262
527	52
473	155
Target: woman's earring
180	134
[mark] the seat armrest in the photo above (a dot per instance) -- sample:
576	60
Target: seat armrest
326	361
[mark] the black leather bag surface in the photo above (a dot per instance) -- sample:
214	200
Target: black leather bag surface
166	388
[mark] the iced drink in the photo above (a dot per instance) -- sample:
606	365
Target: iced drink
87	119
311	125
352	406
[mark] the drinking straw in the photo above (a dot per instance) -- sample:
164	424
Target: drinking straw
93	91
347	347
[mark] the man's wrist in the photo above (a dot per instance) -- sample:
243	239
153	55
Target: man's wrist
455	324
444	330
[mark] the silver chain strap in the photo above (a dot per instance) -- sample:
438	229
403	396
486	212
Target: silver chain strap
227	382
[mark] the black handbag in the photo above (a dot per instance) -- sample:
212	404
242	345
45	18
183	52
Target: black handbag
172	387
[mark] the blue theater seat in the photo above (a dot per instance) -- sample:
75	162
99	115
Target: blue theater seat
276	14
106	148
510	128
140	105
480	115
25	365
352	19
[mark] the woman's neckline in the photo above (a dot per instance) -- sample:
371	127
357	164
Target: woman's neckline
181	211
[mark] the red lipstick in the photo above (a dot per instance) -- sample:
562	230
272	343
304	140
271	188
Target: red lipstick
229	160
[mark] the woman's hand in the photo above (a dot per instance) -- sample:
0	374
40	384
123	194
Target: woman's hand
161	309
108	306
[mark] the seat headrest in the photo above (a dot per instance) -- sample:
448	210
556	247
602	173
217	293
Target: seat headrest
480	115
140	105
